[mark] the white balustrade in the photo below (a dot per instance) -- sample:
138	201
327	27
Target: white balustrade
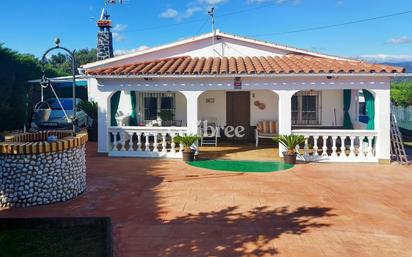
362	146
150	141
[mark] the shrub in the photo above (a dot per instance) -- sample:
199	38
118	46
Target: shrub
187	141
290	141
91	109
401	93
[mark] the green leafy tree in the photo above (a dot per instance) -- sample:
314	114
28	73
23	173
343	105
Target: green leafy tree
62	62
401	93
15	70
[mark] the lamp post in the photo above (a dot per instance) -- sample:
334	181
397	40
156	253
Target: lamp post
73	58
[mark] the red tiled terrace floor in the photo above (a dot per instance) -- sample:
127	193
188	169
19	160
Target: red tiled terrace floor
166	208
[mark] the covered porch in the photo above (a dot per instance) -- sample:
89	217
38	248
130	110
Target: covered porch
145	122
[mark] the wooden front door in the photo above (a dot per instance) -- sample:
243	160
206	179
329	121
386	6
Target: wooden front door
238	112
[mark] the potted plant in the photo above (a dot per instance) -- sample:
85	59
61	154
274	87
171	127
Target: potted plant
166	115
90	108
187	141
290	142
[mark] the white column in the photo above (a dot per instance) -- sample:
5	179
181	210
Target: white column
382	123
103	114
285	114
192	109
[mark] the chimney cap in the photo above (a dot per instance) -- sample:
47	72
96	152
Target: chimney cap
104	23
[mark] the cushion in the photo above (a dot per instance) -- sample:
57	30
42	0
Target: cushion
267	127
268	135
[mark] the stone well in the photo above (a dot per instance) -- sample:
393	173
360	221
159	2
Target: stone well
34	171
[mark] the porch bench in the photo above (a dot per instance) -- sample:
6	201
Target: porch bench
265	129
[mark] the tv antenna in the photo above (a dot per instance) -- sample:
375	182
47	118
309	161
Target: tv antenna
112	2
211	13
104	14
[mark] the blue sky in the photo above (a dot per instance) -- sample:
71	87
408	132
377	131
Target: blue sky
29	26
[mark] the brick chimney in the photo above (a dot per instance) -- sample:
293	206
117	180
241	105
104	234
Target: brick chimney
104	37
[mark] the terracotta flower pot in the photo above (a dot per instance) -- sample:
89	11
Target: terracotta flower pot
92	134
188	156
289	158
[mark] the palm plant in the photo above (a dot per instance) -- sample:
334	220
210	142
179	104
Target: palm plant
290	142
187	141
90	108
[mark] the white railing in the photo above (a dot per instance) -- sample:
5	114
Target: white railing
338	145
145	141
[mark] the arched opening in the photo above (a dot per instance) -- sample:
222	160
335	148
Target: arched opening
149	109
223	109
119	108
329	120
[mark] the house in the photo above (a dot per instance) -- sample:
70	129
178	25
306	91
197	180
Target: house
236	81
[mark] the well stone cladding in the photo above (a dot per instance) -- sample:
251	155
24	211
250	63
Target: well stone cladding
37	178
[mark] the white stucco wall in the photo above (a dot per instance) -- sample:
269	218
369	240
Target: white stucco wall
217	110
213	111
332	100
270	99
204	48
125	104
181	111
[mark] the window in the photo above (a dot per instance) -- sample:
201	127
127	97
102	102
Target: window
306	108
166	104
154	103
150	108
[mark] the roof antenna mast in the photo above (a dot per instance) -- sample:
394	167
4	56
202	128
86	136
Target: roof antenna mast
211	13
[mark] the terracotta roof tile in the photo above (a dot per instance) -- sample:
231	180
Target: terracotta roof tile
232	65
181	68
199	66
292	63
215	66
240	65
191	66
224	65
208	66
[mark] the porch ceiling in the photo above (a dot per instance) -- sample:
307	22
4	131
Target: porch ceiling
288	64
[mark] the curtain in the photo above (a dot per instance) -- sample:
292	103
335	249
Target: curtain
133	115
347	123
114	105
370	109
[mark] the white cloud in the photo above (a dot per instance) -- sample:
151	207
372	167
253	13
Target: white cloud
117	32
385	57
174	14
279	2
122	52
191	11
211	2
169	13
399	40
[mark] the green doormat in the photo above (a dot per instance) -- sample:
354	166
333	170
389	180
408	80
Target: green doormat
241	166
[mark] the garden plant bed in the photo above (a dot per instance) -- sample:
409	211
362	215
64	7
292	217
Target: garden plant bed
50	237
